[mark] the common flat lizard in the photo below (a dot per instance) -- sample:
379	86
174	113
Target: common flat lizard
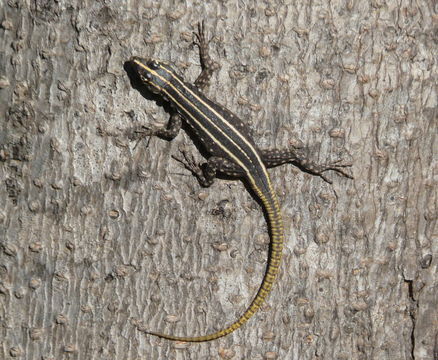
232	152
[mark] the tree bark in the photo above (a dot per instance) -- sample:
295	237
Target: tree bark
102	236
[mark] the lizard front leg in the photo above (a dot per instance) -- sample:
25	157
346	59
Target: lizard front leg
207	64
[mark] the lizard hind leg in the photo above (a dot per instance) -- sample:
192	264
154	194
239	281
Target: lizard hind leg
207	171
299	157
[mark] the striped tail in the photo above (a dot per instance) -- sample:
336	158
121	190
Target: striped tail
275	221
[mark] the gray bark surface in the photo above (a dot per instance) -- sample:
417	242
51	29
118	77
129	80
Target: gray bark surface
101	236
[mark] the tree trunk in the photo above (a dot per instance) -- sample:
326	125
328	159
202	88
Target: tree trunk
102	236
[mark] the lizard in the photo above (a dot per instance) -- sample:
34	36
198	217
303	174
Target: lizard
232	152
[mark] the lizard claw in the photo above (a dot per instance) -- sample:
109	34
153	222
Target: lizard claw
339	167
139	132
335	166
189	162
200	35
202	43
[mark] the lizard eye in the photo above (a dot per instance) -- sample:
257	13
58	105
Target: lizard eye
145	77
153	64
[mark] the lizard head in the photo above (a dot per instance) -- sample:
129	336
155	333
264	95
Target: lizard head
154	74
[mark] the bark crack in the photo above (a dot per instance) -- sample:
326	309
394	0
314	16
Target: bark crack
412	313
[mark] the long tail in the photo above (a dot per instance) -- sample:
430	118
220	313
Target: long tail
275	222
